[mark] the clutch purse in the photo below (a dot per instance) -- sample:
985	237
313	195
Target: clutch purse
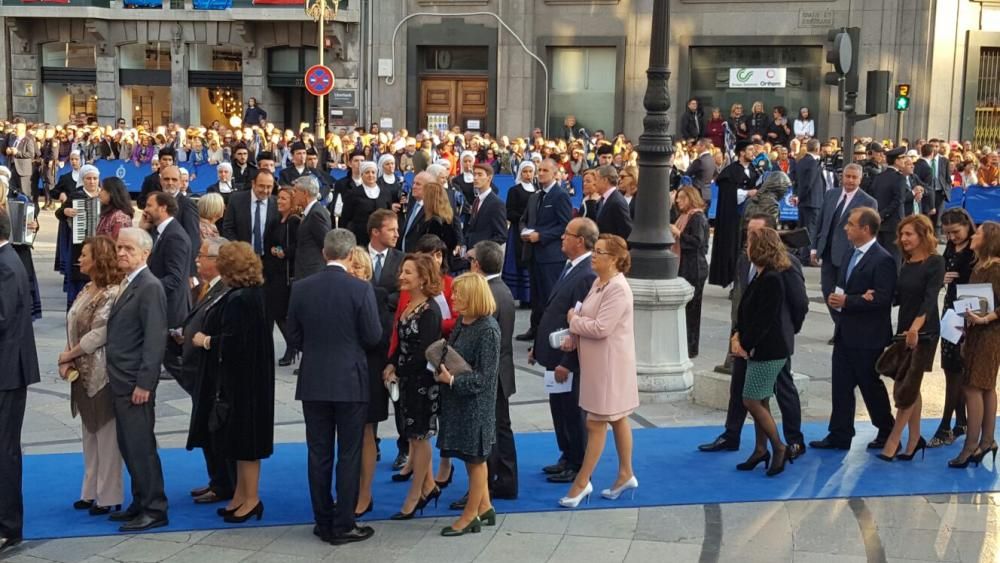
393	391
556	338
440	353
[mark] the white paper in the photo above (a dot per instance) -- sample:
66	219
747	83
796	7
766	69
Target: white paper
838	291
977	291
578	306
962	305
554	387
526	231
432	368
951	326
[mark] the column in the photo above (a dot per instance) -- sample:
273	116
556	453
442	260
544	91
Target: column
26	75
109	92
180	97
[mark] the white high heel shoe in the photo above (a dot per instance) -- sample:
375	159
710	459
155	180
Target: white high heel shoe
573	502
613	494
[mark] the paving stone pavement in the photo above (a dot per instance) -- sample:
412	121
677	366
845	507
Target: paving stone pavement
919	528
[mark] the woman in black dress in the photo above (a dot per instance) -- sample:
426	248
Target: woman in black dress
959	259
244	407
378	402
920	280
691	246
362	200
440	220
515	264
279	264
419	326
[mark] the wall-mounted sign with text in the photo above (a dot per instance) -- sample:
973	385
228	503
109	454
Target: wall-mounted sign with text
757	78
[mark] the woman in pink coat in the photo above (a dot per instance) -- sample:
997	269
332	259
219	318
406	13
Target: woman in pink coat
609	392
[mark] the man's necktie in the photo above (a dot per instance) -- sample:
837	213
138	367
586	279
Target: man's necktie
840	208
258	231
475	206
934	169
203	292
566	269
414	213
378	267
854	262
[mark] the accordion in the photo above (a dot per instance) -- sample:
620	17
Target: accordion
88	214
22	214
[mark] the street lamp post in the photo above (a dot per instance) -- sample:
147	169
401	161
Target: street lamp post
321	11
664	370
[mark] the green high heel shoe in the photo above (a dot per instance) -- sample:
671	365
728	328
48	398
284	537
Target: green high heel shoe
474	527
489	518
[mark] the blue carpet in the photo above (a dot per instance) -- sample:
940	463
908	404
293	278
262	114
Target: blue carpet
670	472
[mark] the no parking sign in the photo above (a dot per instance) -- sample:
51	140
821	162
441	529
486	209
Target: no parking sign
319	80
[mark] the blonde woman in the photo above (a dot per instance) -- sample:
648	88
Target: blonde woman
211	207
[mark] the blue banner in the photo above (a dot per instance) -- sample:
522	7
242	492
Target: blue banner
213	4
788	213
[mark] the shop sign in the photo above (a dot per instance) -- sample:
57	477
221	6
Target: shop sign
343	98
815	18
757	78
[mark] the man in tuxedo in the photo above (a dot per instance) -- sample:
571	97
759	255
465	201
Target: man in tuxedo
333	318
171	182
808	187
888	188
22	152
862	332
252	214
702	170
613	215
18	370
151	183
486	258
243	171
571	287
792	316
221	471
313	228
488	219
168	261
412	221
831	244
137	335
555	209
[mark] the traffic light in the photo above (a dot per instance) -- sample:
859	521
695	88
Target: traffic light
902	97
843	46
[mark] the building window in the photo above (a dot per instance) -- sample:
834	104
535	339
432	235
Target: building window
221	59
583	82
452	59
69	55
987	131
148	56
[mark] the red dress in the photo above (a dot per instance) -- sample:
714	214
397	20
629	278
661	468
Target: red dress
404	300
717	133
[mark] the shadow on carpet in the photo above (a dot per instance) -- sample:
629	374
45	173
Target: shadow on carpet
669	469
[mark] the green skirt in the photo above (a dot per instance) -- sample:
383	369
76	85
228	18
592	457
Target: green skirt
760	378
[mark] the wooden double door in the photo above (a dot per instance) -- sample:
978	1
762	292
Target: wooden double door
463	99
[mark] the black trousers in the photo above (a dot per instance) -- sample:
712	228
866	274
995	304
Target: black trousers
221	470
502	462
137	442
856	368
12	404
544	277
402	444
327	421
809	218
692	316
828	281
785	392
569	421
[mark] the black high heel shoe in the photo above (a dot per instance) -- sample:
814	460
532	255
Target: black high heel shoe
83	504
778	464
754	460
959	463
433	495
371	505
102	510
921	447
226	512
257	511
978	458
444	484
290	357
402	477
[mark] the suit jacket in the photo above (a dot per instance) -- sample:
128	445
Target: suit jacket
807	182
288	175
242	180
332	319
150	184
408	237
169	262
944	178
237	223
504	315
702	171
613	216
569	290
309	246
193	324
924	175
24	155
887	188
759	328
19	367
65	185
190	220
831	240
862	324
389	281
137	335
555	209
796	298
489	222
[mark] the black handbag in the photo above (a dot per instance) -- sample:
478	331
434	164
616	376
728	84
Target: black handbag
219	414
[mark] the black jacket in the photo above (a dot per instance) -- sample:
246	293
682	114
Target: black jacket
19	367
613	215
757	324
692	125
187	216
237	223
807	182
567	292
243	180
489	222
863	324
169	262
309	246
888	188
150	184
506	310
409	234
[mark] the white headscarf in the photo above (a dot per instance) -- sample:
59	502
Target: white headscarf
528	186
391	179
467	176
371	192
88	169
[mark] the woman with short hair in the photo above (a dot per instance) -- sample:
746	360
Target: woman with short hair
211	208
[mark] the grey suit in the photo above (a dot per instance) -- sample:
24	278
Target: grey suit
502	461
702	171
831	243
137	336
309	247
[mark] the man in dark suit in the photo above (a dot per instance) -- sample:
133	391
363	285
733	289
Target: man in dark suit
137	335
187	213
571	287
333	318
486	258
488	219
23	152
887	188
411	222
314	163
151	183
942	187
808	187
298	169
313	228
343	187
786	393
555	209
221	471
243	171
18	370
702	170
613	215
831	243
252	214
863	330
168	262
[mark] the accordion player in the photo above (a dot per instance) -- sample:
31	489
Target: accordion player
22	217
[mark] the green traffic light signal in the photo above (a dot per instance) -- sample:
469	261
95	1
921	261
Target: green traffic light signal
902	103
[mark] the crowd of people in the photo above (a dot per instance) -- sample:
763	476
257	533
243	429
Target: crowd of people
389	292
